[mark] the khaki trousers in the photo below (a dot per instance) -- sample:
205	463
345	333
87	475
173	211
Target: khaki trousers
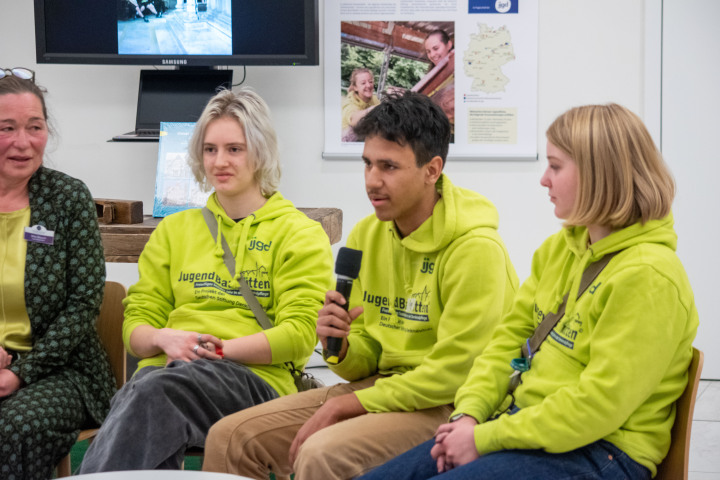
256	441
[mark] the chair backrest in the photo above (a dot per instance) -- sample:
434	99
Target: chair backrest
109	327
676	463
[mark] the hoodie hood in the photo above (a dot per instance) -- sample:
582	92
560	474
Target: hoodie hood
238	233
275	206
660	232
655	231
447	221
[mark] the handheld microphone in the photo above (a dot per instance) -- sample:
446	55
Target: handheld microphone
347	268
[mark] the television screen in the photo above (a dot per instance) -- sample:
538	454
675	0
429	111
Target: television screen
177	32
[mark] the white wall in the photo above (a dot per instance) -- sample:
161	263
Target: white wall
691	102
590	51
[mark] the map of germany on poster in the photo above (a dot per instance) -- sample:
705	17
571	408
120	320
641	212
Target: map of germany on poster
487	52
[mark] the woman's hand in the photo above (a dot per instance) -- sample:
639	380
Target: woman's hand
9	382
187	346
455	444
5	358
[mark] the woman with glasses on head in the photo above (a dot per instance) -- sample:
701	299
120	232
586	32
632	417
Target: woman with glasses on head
596	399
54	375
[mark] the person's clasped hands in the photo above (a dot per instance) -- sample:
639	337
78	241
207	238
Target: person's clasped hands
189	346
455	444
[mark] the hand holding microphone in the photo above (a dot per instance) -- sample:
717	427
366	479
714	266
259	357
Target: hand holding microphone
347	268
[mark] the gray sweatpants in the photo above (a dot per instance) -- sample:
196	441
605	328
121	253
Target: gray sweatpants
161	412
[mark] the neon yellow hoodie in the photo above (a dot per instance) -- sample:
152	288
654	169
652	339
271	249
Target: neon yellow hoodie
431	301
614	364
184	283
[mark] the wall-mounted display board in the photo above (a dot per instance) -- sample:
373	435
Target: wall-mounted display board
477	59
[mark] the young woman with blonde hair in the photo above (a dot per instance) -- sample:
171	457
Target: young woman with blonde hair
203	354
360	99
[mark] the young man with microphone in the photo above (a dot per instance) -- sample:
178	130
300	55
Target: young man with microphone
435	280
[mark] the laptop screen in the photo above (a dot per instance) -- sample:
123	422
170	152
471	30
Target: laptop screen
176	95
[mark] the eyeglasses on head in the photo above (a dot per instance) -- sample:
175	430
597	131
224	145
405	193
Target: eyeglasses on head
19	72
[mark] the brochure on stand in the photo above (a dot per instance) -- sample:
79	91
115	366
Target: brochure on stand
175	186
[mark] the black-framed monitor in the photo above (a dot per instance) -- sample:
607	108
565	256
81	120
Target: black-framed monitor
193	33
173	96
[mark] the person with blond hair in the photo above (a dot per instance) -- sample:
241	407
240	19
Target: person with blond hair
203	353
360	99
596	398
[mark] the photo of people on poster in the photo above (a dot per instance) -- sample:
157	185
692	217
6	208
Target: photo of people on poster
377	57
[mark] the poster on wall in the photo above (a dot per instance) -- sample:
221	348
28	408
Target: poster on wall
476	59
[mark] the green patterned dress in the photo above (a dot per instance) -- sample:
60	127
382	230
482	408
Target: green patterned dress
67	381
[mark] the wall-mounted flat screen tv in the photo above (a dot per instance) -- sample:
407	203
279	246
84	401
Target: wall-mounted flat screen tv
177	32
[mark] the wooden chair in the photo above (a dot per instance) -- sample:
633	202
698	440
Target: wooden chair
109	326
676	463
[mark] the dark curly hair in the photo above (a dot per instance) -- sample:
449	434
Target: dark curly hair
409	118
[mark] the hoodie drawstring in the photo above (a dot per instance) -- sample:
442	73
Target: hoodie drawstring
239	253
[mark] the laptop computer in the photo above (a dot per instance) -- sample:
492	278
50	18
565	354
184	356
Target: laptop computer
172	96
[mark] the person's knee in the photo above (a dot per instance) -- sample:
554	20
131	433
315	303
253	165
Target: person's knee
19	419
316	452
218	435
149	395
236	444
11	428
152	386
240	429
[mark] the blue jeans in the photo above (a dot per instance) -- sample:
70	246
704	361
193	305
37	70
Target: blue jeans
598	461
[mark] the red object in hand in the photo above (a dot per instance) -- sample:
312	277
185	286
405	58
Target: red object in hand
219	351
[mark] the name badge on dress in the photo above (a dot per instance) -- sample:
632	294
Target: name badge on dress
39	234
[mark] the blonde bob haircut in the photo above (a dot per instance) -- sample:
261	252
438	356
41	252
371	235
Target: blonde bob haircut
354	78
253	115
622	176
